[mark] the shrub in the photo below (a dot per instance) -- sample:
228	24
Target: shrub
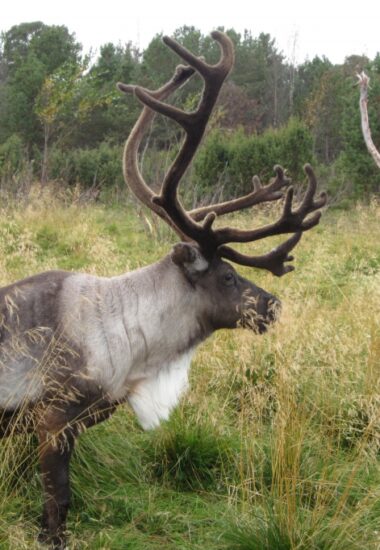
233	158
12	157
88	166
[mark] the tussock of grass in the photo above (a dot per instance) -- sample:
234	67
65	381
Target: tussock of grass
276	445
191	456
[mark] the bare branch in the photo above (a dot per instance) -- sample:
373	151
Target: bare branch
363	85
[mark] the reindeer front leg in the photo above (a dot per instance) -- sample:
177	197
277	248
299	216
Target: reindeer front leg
57	429
54	456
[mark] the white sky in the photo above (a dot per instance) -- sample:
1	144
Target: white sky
302	29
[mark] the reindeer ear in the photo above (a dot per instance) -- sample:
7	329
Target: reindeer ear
189	257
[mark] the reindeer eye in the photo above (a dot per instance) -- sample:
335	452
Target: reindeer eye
229	278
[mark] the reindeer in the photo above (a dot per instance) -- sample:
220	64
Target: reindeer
74	346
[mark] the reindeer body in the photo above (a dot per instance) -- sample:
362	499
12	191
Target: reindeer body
137	334
132	336
29	320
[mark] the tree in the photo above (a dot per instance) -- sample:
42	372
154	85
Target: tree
237	109
54	97
158	63
52	45
29	53
64	101
261	72
112	119
307	79
20	92
323	113
356	164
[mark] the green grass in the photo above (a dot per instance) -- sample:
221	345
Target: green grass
276	445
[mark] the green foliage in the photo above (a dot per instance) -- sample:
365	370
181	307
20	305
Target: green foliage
29	53
295	147
324	111
232	159
20	92
307	81
12	157
261	71
52	97
109	114
212	160
57	91
52	45
100	166
158	62
65	96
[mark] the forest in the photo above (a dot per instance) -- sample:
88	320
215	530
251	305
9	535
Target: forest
62	118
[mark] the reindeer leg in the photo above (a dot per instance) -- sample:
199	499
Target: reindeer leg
57	432
55	457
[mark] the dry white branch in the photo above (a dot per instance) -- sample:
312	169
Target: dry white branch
363	85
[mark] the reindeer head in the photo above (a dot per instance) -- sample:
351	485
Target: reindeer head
229	299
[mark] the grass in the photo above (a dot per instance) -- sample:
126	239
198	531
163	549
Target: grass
276	446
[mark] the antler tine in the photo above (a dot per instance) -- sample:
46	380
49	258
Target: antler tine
148	99
131	170
214	76
309	204
222	68
260	193
289	222
273	261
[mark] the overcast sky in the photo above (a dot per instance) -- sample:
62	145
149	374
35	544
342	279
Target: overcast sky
302	29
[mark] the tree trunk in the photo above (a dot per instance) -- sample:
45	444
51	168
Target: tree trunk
45	157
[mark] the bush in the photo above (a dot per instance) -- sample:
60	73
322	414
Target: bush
232	159
88	166
12	157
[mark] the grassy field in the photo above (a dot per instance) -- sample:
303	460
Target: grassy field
277	444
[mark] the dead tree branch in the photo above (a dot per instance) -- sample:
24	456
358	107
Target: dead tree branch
363	85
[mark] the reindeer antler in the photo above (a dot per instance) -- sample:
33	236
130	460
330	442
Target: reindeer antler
167	204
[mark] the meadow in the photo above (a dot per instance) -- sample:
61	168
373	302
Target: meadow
277	444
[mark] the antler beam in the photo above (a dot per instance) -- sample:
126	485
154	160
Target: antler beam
132	174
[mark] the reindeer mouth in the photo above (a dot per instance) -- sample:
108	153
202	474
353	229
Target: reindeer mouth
259	314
